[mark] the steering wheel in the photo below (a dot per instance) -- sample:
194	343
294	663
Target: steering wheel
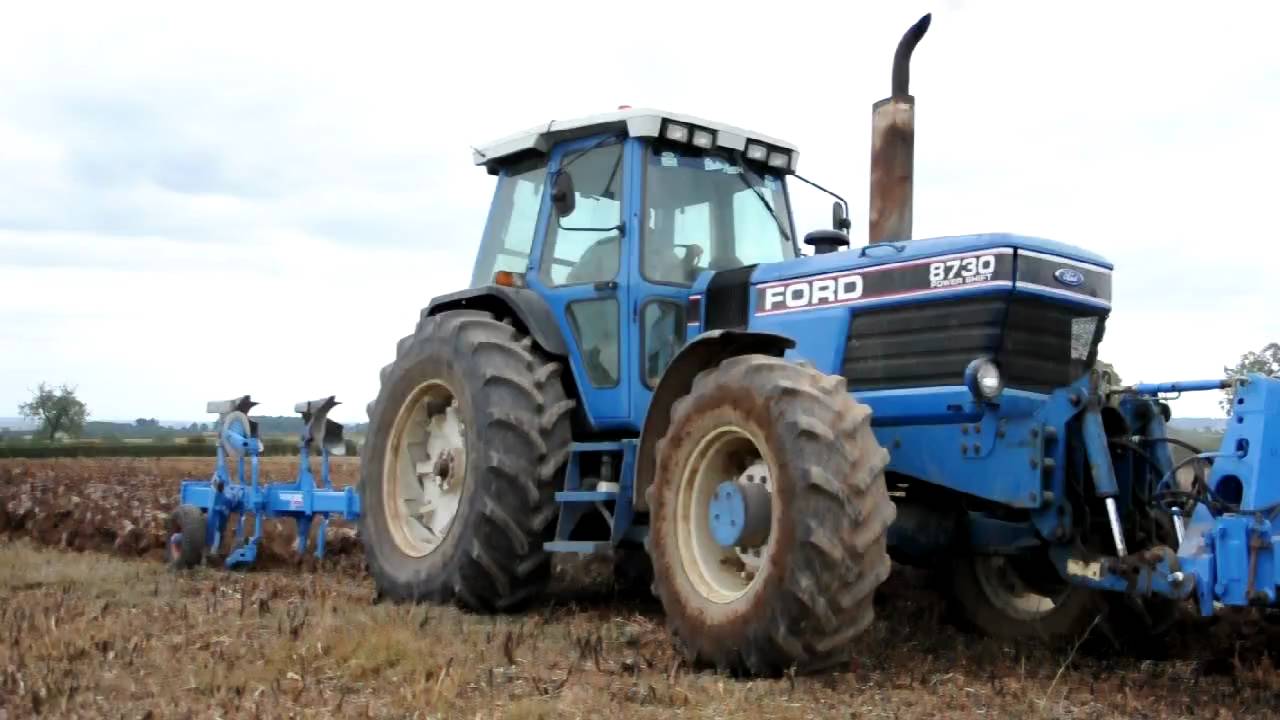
692	253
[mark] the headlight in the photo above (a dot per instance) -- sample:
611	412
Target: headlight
983	378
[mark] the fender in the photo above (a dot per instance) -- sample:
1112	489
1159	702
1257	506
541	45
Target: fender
707	350
527	307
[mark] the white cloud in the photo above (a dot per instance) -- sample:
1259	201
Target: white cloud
182	189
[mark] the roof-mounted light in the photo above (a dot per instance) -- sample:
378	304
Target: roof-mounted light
676	132
779	159
704	139
757	152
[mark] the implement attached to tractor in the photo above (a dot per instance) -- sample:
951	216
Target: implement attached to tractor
207	505
647	365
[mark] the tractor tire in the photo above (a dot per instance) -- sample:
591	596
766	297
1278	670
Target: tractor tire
186	545
811	590
991	597
494	408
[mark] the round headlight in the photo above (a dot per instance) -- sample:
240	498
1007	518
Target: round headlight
983	378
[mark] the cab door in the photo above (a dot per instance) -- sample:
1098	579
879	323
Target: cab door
580	261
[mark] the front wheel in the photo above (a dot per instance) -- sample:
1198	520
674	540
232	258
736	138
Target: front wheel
769	513
1019	597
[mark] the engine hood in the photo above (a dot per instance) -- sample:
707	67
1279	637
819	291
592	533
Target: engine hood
889	253
909	272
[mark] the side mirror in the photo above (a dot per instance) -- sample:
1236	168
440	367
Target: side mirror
563	197
826	241
840	218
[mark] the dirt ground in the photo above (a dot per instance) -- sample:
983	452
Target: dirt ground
92	624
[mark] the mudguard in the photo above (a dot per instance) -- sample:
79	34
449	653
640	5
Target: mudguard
707	350
525	306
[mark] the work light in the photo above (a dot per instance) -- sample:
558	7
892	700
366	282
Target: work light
983	378
677	132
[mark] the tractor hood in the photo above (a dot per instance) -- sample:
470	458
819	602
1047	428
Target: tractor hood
915	250
914	272
919	271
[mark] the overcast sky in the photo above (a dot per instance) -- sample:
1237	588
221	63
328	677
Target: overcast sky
259	198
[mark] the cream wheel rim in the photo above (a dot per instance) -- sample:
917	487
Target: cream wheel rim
424	472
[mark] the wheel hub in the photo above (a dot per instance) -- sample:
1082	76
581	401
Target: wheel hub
740	514
725	514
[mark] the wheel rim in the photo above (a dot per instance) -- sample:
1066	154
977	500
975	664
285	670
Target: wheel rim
1009	593
719	574
424	472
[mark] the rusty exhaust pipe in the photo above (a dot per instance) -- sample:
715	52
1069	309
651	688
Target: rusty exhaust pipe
893	134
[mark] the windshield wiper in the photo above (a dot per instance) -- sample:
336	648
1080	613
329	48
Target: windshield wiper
742	163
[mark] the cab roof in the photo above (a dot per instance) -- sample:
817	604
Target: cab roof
638	122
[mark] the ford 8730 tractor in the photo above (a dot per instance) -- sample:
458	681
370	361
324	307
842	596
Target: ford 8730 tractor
646	364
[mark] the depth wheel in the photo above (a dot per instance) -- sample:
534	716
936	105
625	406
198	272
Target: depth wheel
186	544
784	578
466	442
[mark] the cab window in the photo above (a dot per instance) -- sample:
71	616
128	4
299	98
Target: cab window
706	212
586	245
509	234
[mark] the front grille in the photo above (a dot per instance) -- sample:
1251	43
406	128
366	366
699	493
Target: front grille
1039	345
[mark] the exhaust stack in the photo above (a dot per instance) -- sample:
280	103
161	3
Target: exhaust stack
893	132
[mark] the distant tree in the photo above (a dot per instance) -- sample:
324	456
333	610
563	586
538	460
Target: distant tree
143	423
1266	361
57	410
204	427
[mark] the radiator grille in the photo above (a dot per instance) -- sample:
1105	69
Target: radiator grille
1039	345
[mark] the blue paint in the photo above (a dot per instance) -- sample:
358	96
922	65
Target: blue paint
1022	453
303	500
1179	386
727	514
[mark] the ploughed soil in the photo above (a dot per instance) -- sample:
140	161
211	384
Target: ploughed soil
93	624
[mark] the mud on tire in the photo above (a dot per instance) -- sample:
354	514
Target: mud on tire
515	418
188	522
830	511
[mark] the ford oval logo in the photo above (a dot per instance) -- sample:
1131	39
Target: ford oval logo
1067	276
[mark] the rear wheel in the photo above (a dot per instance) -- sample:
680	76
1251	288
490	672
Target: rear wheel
465	443
795	585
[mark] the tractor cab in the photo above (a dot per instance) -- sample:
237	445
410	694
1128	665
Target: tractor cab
618	216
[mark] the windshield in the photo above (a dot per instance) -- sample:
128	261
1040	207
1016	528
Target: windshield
704	212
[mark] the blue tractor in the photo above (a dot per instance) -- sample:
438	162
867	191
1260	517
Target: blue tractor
647	363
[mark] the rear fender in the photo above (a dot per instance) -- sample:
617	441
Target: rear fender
707	350
524	307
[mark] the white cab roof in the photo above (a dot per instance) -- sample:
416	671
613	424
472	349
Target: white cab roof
640	122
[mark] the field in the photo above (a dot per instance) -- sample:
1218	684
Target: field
92	624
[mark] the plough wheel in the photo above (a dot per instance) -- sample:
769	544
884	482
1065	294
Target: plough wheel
466	442
186	544
795	598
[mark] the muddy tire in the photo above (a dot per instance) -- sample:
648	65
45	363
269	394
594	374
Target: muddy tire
991	596
186	545
812	588
466	443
